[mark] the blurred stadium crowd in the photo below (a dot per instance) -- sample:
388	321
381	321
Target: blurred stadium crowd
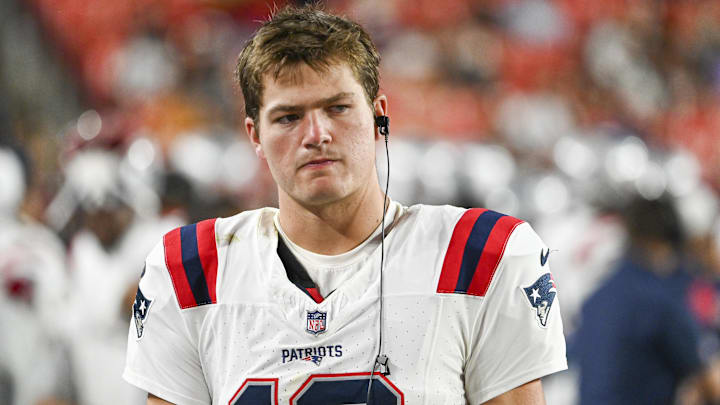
119	121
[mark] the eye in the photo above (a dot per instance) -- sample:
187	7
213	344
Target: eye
287	119
340	108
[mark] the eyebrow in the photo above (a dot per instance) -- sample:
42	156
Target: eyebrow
324	101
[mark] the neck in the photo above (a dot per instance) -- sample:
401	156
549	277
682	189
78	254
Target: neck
333	228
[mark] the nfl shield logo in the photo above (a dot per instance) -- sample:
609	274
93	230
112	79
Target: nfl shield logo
316	322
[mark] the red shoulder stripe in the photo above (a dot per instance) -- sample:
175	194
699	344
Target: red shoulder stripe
174	263
207	249
454	256
493	251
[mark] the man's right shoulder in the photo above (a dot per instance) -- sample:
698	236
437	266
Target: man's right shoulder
192	257
224	231
240	229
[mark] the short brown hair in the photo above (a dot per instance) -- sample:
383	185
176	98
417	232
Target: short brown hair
310	35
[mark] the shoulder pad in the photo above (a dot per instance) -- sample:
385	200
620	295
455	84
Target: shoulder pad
191	259
476	247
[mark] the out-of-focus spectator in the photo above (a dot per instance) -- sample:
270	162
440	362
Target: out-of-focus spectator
638	340
32	292
700	214
106	257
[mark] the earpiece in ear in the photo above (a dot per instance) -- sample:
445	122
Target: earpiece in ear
383	124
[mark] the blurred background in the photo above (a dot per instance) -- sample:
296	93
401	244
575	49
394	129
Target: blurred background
119	121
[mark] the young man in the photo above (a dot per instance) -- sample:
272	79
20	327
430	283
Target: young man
288	306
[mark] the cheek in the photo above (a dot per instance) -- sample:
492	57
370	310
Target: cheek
362	144
276	144
277	154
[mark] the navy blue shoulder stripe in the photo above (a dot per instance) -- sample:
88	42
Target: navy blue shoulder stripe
476	246
191	258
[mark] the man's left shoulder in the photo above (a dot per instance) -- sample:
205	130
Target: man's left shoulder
449	218
470	244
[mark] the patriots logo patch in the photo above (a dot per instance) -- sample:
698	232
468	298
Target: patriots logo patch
314	359
541	295
141	308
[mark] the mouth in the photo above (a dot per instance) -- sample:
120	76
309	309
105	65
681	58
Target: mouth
318	163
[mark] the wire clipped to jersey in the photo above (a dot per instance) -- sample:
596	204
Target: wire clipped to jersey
381	360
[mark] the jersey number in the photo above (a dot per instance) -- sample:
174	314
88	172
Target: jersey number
321	389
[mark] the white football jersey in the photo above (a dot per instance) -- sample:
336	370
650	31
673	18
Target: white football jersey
469	309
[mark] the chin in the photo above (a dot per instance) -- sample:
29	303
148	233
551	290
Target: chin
320	191
321	199
323	195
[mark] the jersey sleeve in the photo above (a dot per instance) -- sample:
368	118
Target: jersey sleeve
162	354
518	335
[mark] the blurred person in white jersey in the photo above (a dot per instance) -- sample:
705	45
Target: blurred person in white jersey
109	245
33	285
326	300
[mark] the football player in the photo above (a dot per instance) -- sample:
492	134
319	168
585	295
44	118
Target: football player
341	295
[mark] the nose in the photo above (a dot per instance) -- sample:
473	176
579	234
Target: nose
318	129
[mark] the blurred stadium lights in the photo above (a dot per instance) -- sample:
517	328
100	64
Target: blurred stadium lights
533	122
89	125
684	172
627	160
652	184
575	158
144	67
214	162
438	173
503	200
142	154
404	161
487	169
195	155
239	165
697	209
550	195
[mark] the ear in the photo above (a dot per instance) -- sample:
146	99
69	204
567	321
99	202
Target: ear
380	107
254	135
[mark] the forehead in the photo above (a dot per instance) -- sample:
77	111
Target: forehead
302	84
